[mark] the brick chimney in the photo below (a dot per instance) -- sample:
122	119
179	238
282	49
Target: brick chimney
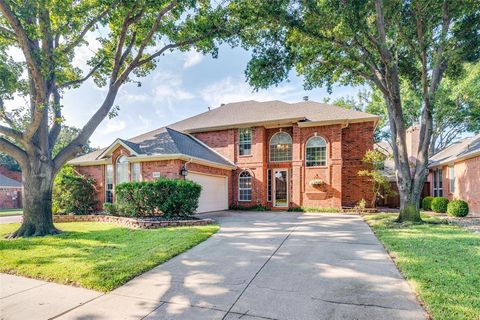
413	140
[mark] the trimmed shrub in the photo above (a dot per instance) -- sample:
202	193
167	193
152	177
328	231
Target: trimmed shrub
457	208
110	208
73	193
427	203
257	207
439	204
169	198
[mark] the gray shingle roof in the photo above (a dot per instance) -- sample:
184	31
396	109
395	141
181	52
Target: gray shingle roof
173	140
252	112
166	141
6	182
460	149
163	141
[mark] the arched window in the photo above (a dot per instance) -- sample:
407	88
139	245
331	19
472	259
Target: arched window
245	186
281	147
122	170
316	152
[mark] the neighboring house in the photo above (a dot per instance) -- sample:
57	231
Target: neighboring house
455	173
10	193
412	138
249	153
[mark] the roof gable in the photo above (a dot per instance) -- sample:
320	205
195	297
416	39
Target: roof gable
6	182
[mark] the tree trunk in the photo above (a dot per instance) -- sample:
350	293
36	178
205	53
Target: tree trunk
37	202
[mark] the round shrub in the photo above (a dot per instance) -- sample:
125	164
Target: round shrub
439	204
73	192
457	208
427	203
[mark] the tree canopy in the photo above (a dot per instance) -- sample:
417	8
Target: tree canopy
376	42
39	41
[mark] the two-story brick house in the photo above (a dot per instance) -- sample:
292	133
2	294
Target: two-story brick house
270	153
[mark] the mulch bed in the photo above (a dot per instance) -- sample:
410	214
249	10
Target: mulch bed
135	223
469	223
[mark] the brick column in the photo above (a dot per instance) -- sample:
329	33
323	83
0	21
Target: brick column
297	161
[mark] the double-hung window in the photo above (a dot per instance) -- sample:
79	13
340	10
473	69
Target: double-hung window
245	186
438	183
451	177
109	183
245	142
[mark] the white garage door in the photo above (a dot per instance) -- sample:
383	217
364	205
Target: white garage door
214	194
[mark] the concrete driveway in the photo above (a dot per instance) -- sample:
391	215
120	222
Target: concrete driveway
263	265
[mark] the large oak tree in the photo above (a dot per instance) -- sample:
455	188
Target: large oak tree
132	34
376	42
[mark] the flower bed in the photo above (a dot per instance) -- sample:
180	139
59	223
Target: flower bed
134	223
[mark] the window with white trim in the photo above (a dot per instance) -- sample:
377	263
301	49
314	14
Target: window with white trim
245	142
245	186
122	170
281	147
451	177
136	174
109	183
316	152
438	183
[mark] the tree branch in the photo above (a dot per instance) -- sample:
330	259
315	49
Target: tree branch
18	154
25	45
70	46
57	124
81	80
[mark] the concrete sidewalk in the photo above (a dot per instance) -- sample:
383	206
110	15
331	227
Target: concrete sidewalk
10	219
24	298
258	266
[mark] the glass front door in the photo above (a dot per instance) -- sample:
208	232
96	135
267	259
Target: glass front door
281	188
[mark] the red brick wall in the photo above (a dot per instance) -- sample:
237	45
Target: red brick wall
98	174
467	186
166	168
223	141
329	194
345	150
15	175
357	138
10	198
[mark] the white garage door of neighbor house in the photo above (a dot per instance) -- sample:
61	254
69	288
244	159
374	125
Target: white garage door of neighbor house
214	195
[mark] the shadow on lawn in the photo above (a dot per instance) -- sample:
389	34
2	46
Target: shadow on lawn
98	259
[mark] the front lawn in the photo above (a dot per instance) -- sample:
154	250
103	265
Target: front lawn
100	256
10	212
441	261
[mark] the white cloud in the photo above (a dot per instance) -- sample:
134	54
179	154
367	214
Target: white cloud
113	125
231	89
170	88
192	58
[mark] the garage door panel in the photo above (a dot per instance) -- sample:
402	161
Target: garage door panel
214	195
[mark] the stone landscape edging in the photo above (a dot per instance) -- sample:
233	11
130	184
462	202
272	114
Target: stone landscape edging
131	222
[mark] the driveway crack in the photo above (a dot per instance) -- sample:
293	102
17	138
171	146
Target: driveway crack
358	304
258	272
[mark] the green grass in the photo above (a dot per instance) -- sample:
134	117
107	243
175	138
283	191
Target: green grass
10	212
441	261
100	256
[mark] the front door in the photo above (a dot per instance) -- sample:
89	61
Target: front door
280	188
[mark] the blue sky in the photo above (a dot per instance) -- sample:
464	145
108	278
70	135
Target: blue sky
183	85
